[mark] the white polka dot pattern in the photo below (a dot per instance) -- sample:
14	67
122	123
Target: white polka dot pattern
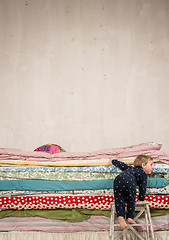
86	202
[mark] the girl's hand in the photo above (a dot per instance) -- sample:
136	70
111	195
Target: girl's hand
114	158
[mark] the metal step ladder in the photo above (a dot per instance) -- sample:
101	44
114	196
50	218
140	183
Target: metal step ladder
140	208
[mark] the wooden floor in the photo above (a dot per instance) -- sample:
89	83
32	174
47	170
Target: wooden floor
14	235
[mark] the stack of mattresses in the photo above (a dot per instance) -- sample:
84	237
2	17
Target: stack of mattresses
70	187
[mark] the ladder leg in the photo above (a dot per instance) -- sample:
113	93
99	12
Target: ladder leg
124	234
111	234
150	221
147	225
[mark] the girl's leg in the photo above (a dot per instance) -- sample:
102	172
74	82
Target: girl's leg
122	222
120	206
131	207
130	220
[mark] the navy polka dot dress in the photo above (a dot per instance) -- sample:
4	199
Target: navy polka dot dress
125	188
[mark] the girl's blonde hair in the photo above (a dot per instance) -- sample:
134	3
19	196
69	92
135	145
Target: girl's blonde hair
142	159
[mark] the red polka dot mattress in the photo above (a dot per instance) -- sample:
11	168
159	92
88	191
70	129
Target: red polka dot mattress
70	201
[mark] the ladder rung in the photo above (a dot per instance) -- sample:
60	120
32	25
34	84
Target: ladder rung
134	225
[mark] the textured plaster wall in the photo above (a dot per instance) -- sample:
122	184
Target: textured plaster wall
85	74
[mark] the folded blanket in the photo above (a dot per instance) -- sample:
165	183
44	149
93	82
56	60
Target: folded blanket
60	176
67	176
163	190
73	201
58	193
151	149
149	191
157	168
94	223
47	185
70	215
65	163
107	169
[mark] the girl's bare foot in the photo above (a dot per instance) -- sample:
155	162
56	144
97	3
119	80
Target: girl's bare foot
130	220
122	222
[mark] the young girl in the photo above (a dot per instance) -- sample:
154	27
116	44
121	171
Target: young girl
125	186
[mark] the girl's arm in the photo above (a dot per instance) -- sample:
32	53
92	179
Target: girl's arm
142	187
120	164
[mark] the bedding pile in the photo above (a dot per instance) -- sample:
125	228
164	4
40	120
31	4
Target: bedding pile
72	189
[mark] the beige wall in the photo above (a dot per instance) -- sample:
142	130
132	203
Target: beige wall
85	74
